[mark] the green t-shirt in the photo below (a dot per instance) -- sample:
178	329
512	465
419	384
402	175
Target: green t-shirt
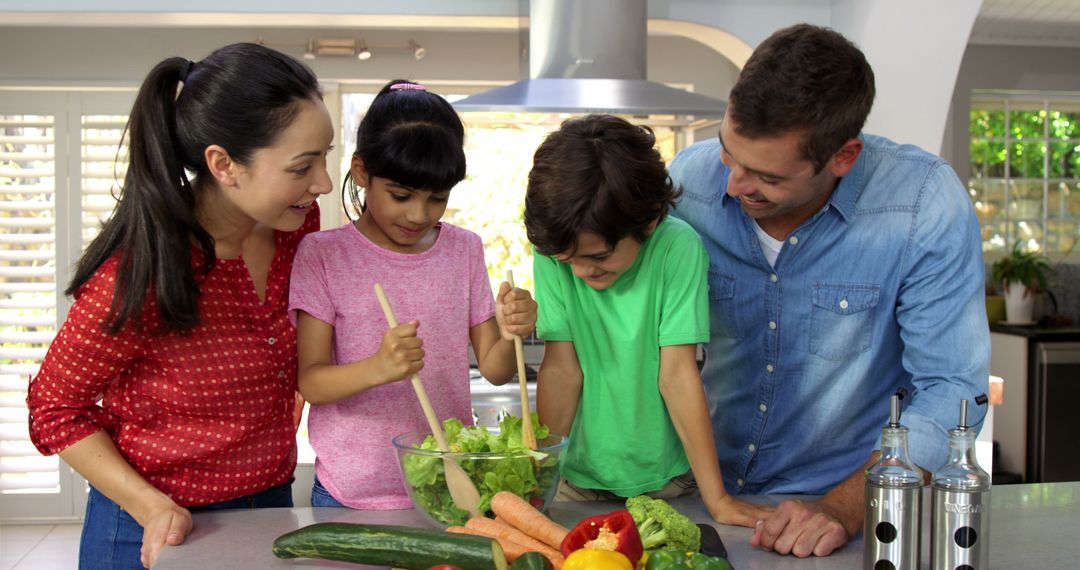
622	439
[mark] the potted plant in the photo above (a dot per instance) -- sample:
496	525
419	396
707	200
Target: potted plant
1021	274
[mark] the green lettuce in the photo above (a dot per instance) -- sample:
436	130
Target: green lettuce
524	472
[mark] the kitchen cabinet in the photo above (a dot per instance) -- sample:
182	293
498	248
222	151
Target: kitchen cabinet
1036	425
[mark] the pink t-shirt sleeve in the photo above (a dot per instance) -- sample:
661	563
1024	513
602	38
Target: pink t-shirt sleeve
309	290
482	306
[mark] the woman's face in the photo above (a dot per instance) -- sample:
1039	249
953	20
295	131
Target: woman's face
282	182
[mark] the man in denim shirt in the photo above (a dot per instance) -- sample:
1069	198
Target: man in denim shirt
843	267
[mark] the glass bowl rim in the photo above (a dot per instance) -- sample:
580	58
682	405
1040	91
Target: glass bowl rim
549	449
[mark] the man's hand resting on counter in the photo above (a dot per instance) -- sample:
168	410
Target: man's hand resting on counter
805	528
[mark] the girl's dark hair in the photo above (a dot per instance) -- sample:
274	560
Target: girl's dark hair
411	136
805	78
597	174
240	97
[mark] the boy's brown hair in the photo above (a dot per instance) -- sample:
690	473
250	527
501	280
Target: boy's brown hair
597	174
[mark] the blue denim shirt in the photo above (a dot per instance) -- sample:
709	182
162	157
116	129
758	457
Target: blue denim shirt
881	289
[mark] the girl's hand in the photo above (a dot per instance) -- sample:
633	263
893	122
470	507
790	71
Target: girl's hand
400	354
515	311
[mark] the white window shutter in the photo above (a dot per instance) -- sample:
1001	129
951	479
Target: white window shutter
27	291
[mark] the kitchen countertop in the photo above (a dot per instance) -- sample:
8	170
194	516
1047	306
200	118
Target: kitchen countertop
1038	331
1031	526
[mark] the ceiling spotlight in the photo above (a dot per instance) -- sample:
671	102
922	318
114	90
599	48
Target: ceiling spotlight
418	50
309	51
363	53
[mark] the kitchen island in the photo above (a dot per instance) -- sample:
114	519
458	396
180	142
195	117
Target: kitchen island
1032	526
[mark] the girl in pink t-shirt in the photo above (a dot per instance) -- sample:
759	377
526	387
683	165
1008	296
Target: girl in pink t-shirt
409	155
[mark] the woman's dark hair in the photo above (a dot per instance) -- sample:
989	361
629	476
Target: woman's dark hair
804	78
411	136
240	97
597	174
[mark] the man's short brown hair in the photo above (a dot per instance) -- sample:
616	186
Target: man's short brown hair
804	78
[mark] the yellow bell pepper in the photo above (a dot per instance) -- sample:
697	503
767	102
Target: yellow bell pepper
588	559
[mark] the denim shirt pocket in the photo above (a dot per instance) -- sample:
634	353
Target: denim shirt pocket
722	305
842	319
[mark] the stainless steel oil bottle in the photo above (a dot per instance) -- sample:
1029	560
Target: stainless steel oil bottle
960	524
892	528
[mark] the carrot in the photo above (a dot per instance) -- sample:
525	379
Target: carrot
504	531
512	550
519	514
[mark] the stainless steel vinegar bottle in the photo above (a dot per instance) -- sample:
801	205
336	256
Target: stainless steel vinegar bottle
892	528
960	524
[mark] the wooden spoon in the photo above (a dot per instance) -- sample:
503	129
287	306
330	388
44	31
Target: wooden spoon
528	439
462	490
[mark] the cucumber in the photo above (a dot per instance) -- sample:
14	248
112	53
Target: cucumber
398	546
531	561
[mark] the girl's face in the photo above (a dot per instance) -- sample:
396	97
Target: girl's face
396	217
282	182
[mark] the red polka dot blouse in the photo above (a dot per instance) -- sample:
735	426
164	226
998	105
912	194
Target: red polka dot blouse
204	416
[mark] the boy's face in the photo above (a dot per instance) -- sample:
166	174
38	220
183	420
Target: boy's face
596	263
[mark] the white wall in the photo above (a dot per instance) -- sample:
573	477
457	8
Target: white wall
915	59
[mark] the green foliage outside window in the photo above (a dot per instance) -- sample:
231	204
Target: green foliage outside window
1025	174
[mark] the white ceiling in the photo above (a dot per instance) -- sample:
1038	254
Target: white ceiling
1028	22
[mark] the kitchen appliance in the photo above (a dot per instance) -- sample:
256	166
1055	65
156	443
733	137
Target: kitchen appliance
960	523
1052	451
588	56
892	527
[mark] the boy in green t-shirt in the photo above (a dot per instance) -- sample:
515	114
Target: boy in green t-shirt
623	304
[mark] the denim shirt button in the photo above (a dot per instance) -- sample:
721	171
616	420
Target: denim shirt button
793	240
763	408
772	325
769	368
843	303
774	278
739	482
751	447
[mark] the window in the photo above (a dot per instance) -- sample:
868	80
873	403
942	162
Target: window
1025	171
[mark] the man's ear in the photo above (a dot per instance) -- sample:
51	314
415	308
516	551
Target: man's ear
358	172
222	167
844	159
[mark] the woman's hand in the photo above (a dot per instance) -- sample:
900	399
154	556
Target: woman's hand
400	353
515	311
168	524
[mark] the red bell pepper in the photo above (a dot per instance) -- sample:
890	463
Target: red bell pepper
614	531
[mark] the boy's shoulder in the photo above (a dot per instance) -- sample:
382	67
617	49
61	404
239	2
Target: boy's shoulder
674	232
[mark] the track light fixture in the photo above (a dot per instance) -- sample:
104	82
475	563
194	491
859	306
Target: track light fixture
418	50
363	53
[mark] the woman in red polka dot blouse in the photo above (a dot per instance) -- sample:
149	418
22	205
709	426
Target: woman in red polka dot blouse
171	386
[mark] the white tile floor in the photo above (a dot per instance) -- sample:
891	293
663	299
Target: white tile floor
39	547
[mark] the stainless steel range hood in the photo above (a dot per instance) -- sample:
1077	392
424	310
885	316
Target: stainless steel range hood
588	56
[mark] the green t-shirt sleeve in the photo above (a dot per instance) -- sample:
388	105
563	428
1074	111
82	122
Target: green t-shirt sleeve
684	311
551	319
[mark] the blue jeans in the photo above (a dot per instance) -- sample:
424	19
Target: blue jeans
112	539
320	497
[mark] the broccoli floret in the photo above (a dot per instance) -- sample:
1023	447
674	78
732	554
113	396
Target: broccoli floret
663	527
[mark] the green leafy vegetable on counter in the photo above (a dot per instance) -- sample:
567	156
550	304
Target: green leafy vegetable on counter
662	527
678	560
523	472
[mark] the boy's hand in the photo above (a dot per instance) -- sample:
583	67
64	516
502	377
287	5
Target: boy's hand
730	510
515	311
400	354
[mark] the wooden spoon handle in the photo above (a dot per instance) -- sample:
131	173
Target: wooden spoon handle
528	439
421	394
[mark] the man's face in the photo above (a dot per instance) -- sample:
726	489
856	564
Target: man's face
598	264
772	180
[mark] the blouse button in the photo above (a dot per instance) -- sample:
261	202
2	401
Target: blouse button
281	374
271	341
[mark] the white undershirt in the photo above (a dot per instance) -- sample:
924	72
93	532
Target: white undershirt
770	246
